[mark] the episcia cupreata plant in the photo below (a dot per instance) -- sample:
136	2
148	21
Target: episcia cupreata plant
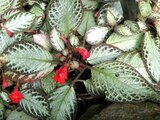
46	46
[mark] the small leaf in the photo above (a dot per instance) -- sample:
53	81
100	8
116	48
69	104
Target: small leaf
103	53
134	59
19	115
92	89
90	4
2	108
28	58
34	103
74	40
123	30
57	43
14	24
63	103
88	21
48	84
120	82
65	15
151	56
125	43
110	18
10	13
96	35
6	41
144	8
5	5
132	25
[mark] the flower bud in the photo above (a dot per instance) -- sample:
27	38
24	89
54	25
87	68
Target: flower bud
43	40
74	40
62	58
65	52
74	64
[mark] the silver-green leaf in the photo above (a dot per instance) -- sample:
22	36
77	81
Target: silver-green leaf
102	53
151	56
65	15
28	58
34	103
120	82
63	103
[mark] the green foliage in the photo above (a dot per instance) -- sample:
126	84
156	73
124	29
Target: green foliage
2	108
34	103
120	82
65	15
63	103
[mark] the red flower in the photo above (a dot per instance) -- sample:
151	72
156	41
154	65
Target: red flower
4	83
61	75
15	96
84	53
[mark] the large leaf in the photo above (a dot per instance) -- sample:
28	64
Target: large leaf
6	41
34	103
92	89
19	115
19	22
28	58
134	59
151	56
124	42
63	103
48	84
65	15
120	82
90	4
144	8
5	5
102	53
96	34
88	21
57	43
1	110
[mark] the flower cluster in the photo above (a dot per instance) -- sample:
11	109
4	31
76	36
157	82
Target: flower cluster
61	75
15	96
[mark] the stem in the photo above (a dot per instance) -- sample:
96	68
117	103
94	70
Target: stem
75	79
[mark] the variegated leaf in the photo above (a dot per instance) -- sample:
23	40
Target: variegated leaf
123	30
151	56
65	15
19	22
19	115
144	8
88	21
57	43
6	41
34	103
95	35
74	40
28	58
134	59
92	89
10	13
63	103
48	84
120	82
111	20
132	25
39	13
102	53
142	26
17	4
5	5
125	43
114	7
90	4
29	78
2	110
